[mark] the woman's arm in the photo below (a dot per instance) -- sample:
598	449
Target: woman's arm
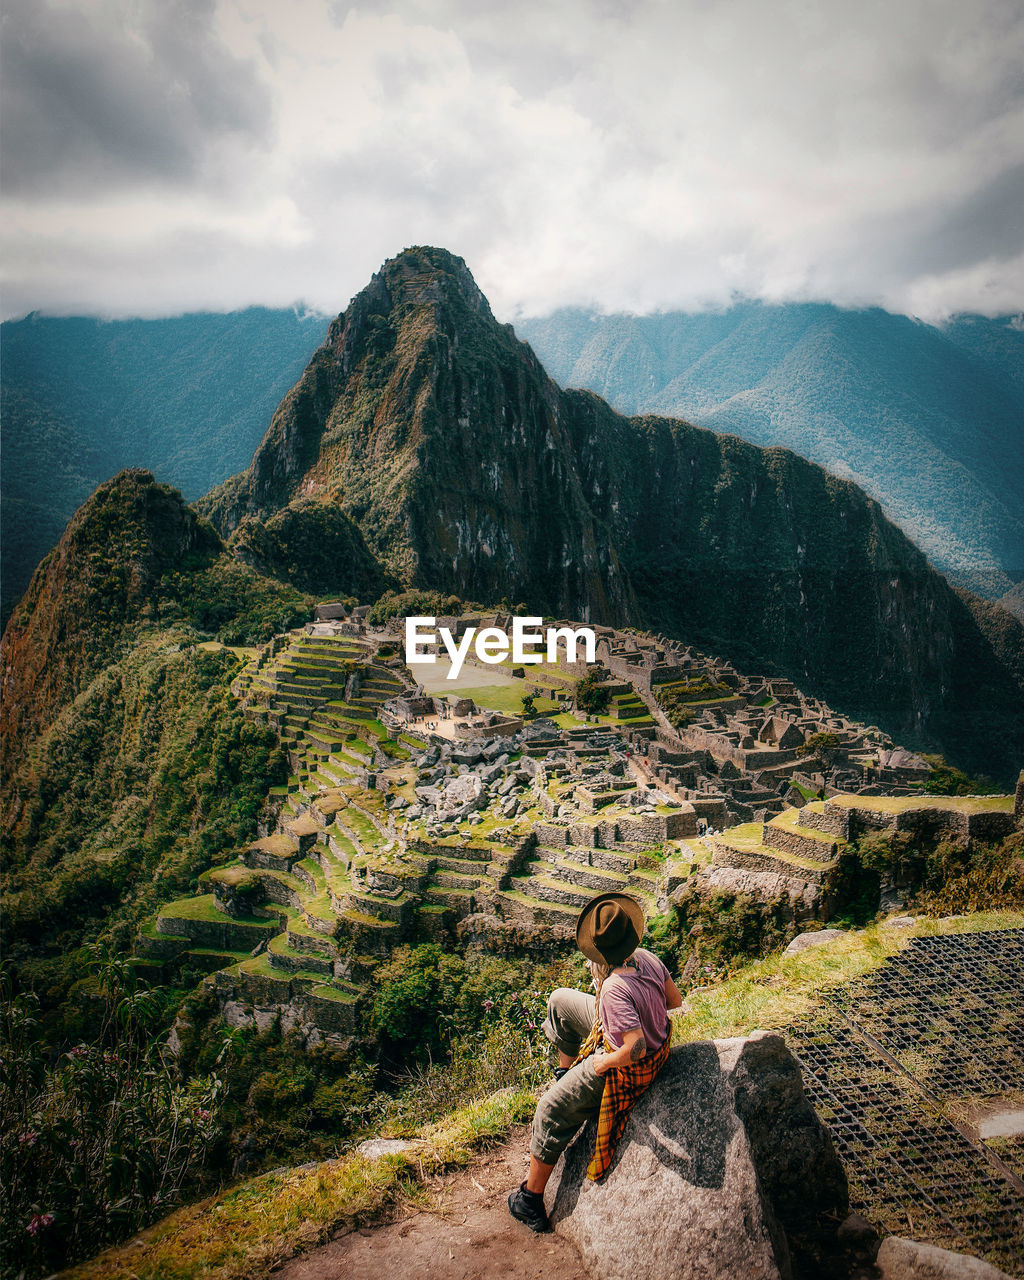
673	996
634	1047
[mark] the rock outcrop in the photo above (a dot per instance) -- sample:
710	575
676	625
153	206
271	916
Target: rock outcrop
724	1172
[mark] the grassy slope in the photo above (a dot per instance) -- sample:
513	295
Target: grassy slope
247	1230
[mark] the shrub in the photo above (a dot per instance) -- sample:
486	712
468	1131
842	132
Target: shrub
101	1141
727	927
591	695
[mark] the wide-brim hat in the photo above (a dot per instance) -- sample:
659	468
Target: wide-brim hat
609	928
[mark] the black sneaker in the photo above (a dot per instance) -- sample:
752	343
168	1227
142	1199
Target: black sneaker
528	1207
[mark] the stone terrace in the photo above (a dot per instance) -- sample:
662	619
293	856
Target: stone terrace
383	835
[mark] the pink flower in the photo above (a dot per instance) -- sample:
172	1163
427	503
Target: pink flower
202	1114
28	1138
38	1222
488	1004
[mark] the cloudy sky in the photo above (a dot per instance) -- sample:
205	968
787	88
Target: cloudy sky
170	155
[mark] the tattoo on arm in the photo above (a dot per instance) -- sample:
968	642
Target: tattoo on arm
637	1049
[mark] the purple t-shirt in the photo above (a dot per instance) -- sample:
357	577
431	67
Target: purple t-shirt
632	998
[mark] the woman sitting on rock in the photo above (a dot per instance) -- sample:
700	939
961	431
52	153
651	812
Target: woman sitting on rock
610	1046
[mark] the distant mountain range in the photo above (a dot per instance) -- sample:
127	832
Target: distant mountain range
930	421
189	398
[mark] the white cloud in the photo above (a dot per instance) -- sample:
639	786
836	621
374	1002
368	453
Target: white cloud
660	154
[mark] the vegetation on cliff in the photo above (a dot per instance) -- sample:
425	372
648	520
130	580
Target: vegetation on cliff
151	775
128	766
98	1140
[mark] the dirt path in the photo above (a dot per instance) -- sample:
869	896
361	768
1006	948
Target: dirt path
467	1234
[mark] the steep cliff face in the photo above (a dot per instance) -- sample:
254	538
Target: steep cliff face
761	555
467	470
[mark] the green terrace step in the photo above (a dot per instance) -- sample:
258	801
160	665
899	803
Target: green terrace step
421	865
280	886
296	696
596	878
453	880
350	836
548	889
310	675
320	911
279	849
151	944
281	955
759	857
324	740
338	771
648	881
359	920
358	712
311	874
458	901
339	842
365	829
301	937
786	832
341	990
289	982
203	923
383	908
461	866
210	959
541	912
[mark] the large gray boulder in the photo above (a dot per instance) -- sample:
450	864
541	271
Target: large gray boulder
722	1173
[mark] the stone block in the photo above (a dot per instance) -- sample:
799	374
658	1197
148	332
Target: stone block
721	1163
900	1259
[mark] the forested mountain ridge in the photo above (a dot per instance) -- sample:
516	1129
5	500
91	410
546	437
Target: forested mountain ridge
467	470
188	398
928	420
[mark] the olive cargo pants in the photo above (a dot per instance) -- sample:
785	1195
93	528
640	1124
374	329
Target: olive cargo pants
571	1101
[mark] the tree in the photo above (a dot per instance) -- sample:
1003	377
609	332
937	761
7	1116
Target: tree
591	694
823	745
528	707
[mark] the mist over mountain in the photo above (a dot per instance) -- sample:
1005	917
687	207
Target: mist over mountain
929	421
464	467
188	398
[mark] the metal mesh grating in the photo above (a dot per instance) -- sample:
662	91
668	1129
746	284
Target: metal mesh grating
950	1010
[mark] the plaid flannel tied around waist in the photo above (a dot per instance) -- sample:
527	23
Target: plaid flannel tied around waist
622	1087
